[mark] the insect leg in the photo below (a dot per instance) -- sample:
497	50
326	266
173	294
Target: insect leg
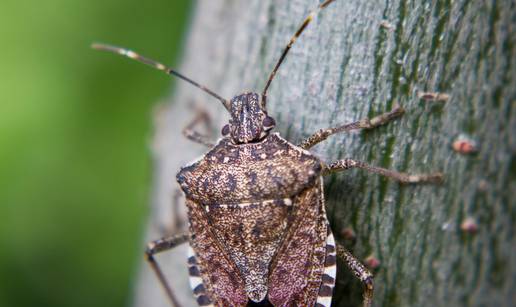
162	245
176	223
366	123
189	132
360	271
345	164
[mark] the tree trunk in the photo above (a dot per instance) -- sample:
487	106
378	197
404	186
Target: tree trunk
357	59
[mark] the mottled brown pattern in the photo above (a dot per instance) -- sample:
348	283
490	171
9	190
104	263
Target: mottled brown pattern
251	235
249	129
297	269
239	173
257	214
222	279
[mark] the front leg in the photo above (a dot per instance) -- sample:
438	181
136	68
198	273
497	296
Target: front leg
345	164
201	117
366	123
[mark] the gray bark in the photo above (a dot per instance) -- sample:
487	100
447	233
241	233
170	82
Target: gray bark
346	66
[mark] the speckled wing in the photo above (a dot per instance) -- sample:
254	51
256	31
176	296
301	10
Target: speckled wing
245	203
224	285
296	273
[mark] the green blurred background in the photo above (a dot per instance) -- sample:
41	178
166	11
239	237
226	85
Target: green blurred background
75	128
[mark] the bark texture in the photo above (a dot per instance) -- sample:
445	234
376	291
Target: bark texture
357	59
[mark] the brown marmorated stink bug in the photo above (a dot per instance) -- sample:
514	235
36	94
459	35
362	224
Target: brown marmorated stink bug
258	231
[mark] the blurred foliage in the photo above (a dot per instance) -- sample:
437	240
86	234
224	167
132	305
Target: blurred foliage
75	129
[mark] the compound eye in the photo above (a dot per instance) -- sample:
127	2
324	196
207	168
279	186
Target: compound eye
268	122
225	130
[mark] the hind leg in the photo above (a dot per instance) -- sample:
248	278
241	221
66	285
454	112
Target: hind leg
159	246
360	271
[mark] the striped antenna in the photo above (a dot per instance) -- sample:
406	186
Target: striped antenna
305	23
135	56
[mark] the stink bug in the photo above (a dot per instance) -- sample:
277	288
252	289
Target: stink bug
258	231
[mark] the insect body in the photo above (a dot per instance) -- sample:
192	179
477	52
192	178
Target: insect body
256	208
258	230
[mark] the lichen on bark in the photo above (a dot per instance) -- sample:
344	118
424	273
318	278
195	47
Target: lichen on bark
358	59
